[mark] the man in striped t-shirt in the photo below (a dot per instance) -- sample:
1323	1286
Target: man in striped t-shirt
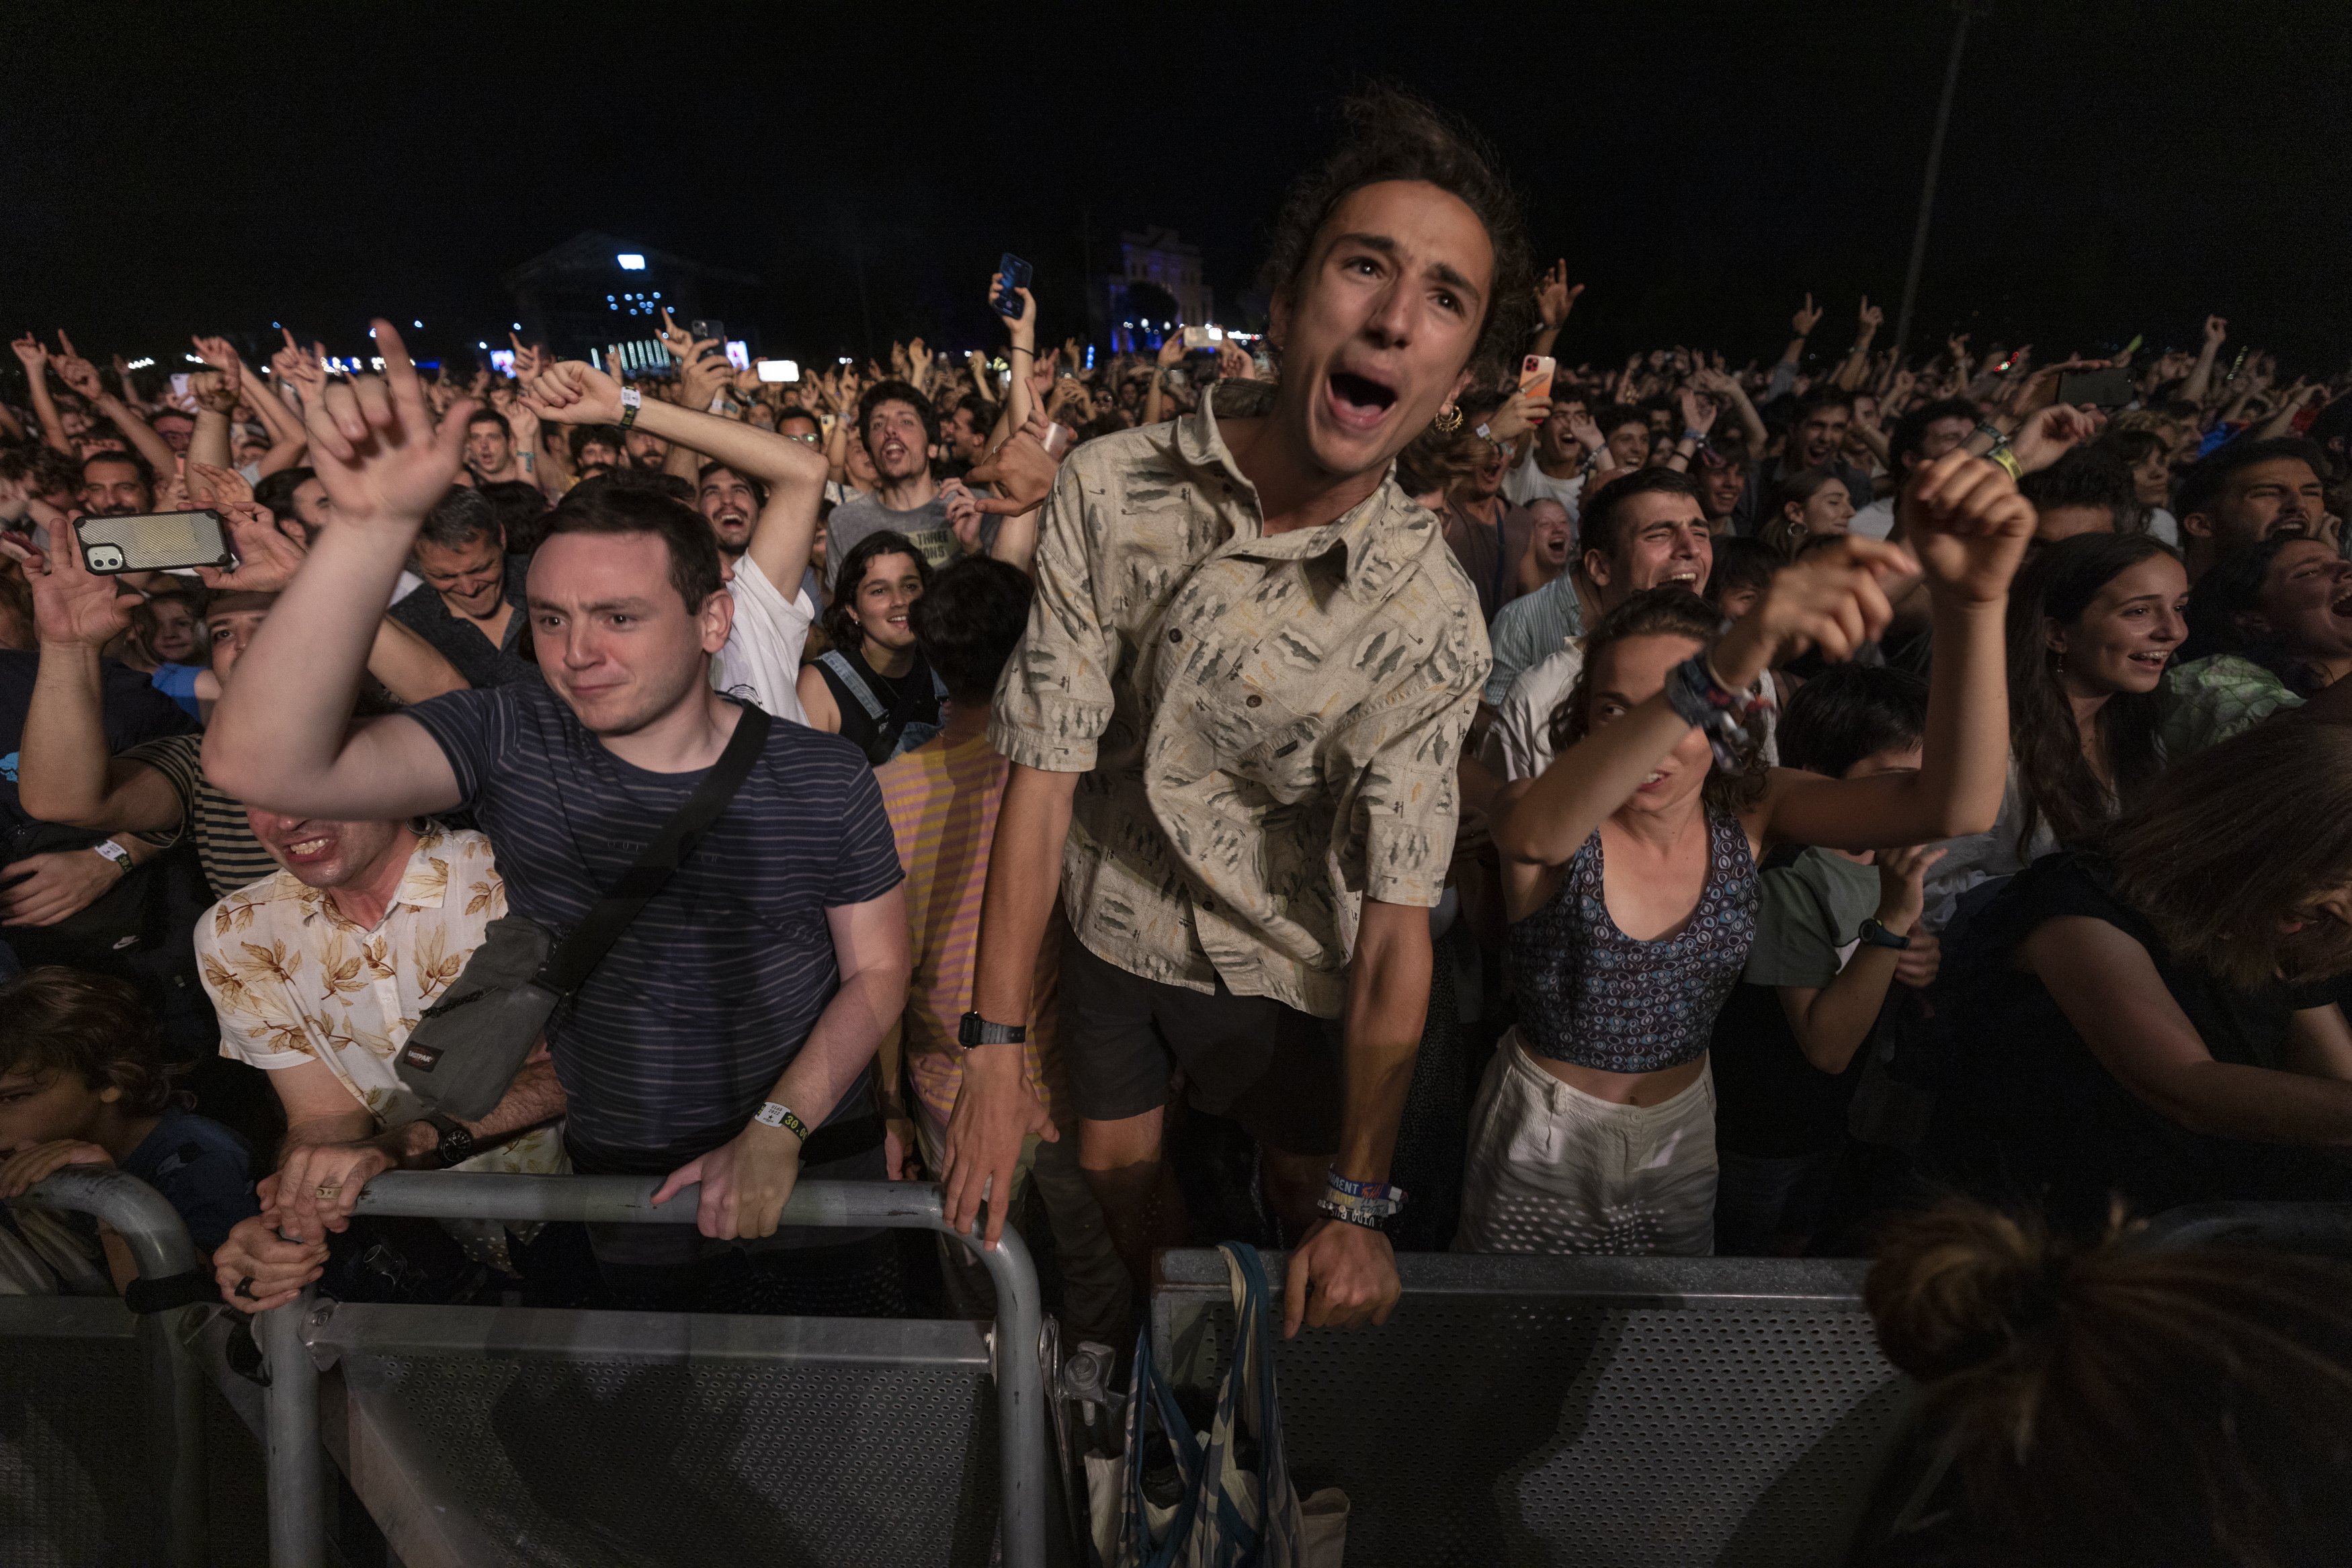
729	1036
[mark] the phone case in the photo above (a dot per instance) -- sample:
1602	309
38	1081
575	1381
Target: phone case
152	543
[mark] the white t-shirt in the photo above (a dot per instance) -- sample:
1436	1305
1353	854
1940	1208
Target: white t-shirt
1519	744
1874	521
2163	524
1527	482
761	661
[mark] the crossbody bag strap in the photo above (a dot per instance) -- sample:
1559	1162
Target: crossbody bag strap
834	659
588	942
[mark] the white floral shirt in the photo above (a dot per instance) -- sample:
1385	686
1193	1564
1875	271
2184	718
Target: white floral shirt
294	981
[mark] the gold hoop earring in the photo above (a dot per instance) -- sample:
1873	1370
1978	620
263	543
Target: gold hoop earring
1448	420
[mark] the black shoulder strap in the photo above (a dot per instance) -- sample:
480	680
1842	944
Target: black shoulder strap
586	947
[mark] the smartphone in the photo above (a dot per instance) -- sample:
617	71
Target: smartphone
1534	378
1058	439
156	542
1013	273
699	331
2101	389
780	370
1202	337
180	386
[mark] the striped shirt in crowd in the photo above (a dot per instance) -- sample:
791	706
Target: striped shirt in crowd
232	857
678	1034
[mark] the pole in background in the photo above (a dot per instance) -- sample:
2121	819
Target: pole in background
1968	9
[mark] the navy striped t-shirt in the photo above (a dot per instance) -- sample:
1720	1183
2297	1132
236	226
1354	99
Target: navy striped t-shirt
678	1035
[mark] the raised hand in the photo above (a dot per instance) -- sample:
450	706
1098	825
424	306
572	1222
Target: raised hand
963	514
1956	345
1022	326
71	603
1870	316
284	364
1969	527
219	354
1807	318
211	486
217	391
1234	364
2216	328
1836	599
1521	413
1021	471
1698	409
31	354
674	337
267	559
1555	297
375	449
572	392
2048	433
1172	351
1581	425
78	375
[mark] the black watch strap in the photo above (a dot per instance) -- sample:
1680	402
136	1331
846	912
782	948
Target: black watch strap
456	1145
1877	935
975	1030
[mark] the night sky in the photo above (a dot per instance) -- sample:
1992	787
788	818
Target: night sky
2113	168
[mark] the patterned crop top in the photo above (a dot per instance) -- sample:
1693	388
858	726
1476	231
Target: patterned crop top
1592	996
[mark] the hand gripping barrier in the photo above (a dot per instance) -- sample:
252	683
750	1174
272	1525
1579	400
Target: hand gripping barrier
169	1283
299	1338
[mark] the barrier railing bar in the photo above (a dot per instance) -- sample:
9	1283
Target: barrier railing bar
298	1526
159	1244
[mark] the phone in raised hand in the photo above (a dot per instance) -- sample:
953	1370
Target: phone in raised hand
153	542
1015	274
1536	373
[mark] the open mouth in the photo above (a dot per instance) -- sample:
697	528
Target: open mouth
2153	661
2341	605
1358	400
1653	782
1681	579
307	850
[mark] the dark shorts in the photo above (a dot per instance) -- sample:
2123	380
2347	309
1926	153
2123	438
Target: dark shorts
1270	1067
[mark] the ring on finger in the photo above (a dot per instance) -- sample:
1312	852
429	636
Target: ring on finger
328	1189
245	1288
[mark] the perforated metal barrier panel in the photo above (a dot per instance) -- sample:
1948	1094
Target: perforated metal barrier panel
1614	1411
834	1455
74	1484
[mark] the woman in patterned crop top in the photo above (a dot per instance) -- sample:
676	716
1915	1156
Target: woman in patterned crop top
1630	863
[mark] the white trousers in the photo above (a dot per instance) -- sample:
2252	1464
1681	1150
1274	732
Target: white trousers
1553	1169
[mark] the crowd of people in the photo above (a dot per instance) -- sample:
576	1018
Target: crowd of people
1357	796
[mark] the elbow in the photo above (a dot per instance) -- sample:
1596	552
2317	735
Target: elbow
227	766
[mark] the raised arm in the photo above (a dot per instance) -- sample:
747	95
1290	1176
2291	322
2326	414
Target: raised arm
1834	599
217	393
82	377
288	441
35	360
1856	363
2200	375
1555	298
281	737
1784	372
1725	387
64	774
1969	527
792	472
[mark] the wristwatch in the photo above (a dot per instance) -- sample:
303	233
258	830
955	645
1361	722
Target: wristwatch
115	852
1878	935
457	1144
630	401
974	1030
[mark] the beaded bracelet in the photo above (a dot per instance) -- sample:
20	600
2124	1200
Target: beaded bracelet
1723	716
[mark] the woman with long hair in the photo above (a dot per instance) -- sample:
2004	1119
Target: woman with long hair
872	685
2093	624
1630	863
2270	628
2153	1017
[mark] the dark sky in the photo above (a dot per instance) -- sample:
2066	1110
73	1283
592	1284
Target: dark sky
2113	169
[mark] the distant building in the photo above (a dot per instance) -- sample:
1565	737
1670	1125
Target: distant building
1155	268
594	291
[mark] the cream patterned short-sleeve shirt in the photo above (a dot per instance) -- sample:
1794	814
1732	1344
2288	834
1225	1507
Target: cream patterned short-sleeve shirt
294	981
1268	724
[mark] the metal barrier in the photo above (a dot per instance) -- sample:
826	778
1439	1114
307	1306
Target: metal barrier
162	1397
1619	1411
2325	1228
425	1389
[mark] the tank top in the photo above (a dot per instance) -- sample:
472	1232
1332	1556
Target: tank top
882	716
1594	997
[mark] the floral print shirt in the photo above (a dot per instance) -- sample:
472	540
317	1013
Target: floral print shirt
294	981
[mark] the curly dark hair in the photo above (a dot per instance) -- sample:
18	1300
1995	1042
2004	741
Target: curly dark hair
1659	613
841	616
1392	134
